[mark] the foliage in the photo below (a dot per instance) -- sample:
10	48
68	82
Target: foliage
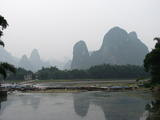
4	67
154	110
20	73
147	85
152	63
3	24
103	71
116	71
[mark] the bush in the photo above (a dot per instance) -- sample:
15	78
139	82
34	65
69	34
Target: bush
147	85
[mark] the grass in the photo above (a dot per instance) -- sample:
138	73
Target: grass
66	80
83	82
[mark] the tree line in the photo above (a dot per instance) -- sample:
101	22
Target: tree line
20	73
103	71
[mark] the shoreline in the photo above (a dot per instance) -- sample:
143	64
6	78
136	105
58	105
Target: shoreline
78	91
80	83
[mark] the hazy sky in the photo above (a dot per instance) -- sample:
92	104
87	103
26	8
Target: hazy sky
54	26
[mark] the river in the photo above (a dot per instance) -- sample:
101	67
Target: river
94	105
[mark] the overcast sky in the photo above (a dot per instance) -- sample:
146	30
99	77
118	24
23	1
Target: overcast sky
54	26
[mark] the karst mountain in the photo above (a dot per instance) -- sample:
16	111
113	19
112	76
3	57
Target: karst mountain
118	47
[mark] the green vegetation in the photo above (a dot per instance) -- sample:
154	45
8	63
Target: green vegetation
104	71
152	63
4	67
20	73
96	73
3	24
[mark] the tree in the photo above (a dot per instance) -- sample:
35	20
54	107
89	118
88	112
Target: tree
4	67
3	24
152	63
20	73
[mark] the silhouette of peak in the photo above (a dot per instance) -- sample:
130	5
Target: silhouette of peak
80	56
34	55
133	35
24	57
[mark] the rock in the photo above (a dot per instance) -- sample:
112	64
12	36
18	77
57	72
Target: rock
7	57
81	56
36	60
26	64
118	48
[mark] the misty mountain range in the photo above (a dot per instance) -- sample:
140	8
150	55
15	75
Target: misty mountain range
118	47
34	62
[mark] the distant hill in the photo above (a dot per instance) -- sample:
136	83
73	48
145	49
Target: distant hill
60	64
26	63
67	65
34	62
118	47
7	57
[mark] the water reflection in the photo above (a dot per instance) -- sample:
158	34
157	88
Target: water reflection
33	100
115	105
153	108
4	98
81	103
80	106
4	106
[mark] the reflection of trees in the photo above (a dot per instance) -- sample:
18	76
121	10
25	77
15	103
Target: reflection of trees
154	107
154	110
81	103
2	99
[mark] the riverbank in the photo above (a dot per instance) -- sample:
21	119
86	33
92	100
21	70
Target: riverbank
77	91
78	81
57	91
74	86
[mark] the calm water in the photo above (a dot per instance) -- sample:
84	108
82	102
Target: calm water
76	106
